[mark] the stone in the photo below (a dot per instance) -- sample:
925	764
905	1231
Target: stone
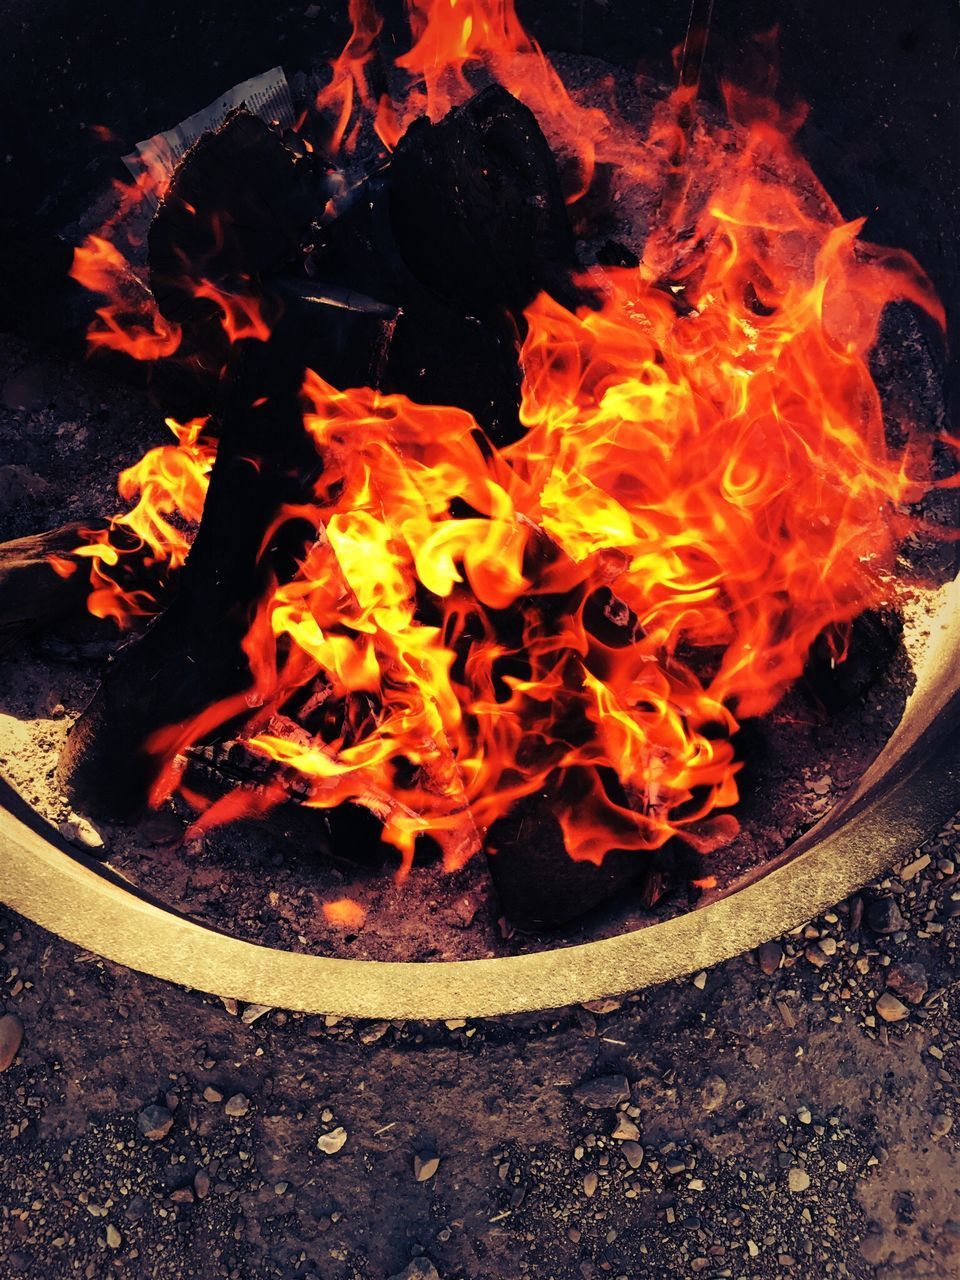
700	980
83	834
114	1238
425	1165
602	1092
712	1094
160	829
891	1009
797	1179
211	1094
633	1153
201	1184
253	1012
182	1195
237	1106
373	1032
418	1269
626	1130
815	955
330	1143
154	1122
11	1037
908	980
590	1182
883	915
941	1125
769	957
804	1115
136	1209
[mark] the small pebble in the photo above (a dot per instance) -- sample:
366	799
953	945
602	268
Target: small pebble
602	1092
425	1165
891	1009
908	980
330	1143
154	1122
78	831
883	915
11	1037
626	1130
797	1179
633	1153
941	1125
769	957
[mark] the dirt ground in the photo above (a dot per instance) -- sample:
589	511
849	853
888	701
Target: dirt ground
747	1122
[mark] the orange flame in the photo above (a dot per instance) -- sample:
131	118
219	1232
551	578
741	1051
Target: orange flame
703	488
344	913
168	481
348	82
131	322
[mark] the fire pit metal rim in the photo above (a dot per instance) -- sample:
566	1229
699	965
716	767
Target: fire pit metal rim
909	792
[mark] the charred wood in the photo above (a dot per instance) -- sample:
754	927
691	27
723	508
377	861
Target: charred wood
32	594
461	231
191	656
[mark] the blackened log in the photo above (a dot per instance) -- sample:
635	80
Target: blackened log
32	594
476	205
538	884
234	214
461	231
874	642
192	656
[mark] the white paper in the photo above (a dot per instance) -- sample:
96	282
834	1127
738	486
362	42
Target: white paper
266	95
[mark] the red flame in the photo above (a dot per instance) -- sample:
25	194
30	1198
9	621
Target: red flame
704	470
130	322
168	481
344	913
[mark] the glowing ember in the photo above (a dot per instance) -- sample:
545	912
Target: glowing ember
702	490
344	913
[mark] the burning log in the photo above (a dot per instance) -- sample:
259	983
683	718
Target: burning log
461	231
192	656
537	882
41	581
418	341
233	218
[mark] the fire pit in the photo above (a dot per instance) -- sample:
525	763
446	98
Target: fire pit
558	523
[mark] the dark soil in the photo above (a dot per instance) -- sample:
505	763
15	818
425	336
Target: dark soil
732	1081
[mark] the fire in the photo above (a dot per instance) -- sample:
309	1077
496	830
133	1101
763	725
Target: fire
130	322
703	488
344	913
349	82
168	481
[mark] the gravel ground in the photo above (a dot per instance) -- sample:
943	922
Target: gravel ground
789	1113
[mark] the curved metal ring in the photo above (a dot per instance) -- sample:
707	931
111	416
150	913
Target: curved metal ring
911	789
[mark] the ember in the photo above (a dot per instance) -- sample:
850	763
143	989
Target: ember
449	600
